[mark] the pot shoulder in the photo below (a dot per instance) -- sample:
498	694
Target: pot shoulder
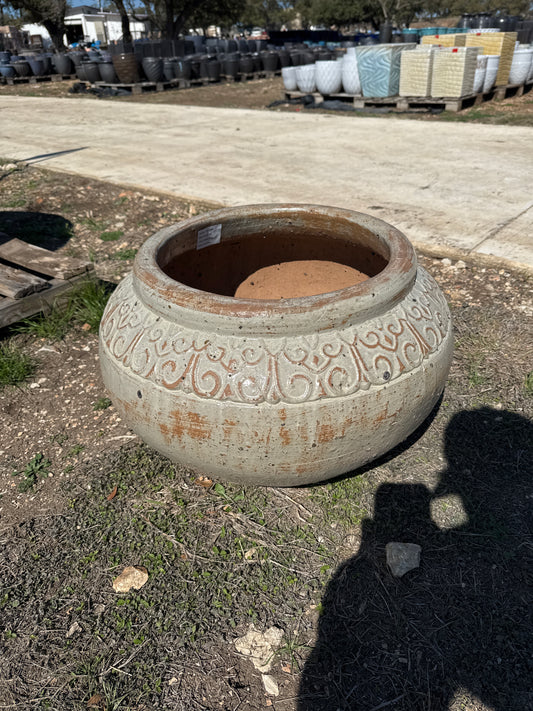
291	369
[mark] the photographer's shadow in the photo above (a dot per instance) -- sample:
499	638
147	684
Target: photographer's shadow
459	626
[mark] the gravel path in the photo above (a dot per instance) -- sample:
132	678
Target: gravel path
458	185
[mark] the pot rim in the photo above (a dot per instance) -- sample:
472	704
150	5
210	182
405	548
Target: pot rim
185	304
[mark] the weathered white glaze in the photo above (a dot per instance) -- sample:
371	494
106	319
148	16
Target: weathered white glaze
280	393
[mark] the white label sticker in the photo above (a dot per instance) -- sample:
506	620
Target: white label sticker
209	236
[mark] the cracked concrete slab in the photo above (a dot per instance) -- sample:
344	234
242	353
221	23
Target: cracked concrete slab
445	184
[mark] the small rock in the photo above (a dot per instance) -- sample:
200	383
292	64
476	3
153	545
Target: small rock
460	264
74	627
33	386
270	684
402	557
260	646
446	262
134	576
99	609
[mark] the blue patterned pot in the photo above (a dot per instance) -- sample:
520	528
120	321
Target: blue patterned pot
379	69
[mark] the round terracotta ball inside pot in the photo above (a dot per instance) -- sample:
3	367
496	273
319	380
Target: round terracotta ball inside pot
276	344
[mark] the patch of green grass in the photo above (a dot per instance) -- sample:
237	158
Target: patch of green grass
102	403
15	202
75	451
111	236
125	254
85	304
528	383
52	325
475	377
92	224
15	365
88	302
342	501
37	467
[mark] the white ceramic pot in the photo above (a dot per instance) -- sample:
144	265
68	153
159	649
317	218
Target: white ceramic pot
350	75
305	78
283	392
520	66
328	77
481	71
493	62
289	78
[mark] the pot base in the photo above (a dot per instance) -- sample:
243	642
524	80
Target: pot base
292	280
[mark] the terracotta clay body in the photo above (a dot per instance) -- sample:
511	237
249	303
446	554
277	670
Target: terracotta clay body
277	392
292	280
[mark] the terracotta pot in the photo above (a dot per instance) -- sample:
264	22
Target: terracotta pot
283	392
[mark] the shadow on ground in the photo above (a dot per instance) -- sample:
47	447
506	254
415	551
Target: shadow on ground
39	228
458	627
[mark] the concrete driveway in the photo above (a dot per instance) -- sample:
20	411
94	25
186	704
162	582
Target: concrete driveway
443	184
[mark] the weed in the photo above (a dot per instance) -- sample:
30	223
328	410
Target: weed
88	303
15	365
37	467
75	451
15	202
111	236
475	378
52	325
125	254
102	403
95	225
528	383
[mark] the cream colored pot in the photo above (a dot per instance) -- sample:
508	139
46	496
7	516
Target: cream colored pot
283	392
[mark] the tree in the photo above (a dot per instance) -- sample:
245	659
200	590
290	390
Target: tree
50	13
271	14
172	17
124	20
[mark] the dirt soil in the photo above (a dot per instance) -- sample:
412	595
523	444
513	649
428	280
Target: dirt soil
261	93
452	634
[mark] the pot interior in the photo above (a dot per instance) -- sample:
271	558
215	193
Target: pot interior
249	246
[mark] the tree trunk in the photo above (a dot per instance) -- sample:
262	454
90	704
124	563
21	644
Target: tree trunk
56	31
124	21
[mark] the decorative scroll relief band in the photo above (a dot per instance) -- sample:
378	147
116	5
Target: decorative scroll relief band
291	370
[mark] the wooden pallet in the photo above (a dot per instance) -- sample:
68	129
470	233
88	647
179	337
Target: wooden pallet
142	87
32	278
38	80
511	90
406	103
241	77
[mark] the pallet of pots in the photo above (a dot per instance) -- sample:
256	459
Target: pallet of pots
12	66
94	71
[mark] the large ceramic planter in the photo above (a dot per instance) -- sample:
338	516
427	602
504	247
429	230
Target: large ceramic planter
350	75
280	392
379	69
63	64
127	68
328	76
481	72
305	78
521	65
289	78
491	73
